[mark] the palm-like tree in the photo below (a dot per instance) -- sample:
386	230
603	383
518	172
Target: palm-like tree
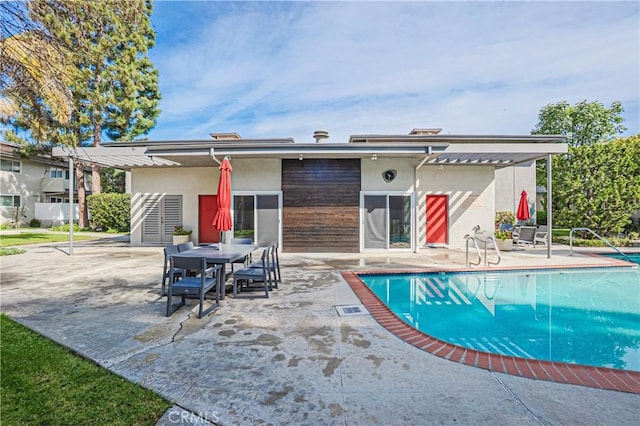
32	70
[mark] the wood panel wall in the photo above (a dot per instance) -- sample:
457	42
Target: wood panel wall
321	200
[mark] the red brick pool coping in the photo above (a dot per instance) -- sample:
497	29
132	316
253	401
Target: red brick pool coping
595	377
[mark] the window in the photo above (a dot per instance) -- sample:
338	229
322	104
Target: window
56	173
9	201
59	173
58	200
10	166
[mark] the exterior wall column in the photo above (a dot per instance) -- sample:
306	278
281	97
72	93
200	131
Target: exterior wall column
549	208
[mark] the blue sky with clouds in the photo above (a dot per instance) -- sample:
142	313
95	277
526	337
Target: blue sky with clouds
285	69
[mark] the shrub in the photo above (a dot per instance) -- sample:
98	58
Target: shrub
8	251
504	217
179	230
110	211
503	235
541	217
65	228
35	223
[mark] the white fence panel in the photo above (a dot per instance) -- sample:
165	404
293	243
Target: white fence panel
55	212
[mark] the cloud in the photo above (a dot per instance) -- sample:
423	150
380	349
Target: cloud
285	69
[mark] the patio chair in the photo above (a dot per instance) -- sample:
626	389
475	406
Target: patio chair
273	264
168	252
185	246
506	227
245	260
526	235
246	278
184	285
542	233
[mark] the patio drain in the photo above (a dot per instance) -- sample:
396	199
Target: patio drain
350	310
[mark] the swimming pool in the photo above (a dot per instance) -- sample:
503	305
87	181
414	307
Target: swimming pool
578	316
632	257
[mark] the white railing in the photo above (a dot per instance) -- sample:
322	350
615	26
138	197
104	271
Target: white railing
604	240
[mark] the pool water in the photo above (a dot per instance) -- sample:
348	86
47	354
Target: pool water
630	257
583	316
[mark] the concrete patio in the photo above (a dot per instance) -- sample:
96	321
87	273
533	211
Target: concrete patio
289	359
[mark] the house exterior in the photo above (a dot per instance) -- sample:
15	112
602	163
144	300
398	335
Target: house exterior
370	193
33	188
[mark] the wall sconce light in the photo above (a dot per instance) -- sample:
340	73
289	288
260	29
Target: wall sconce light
374	157
300	157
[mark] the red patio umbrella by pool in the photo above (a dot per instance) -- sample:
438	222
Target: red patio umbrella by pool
523	208
222	219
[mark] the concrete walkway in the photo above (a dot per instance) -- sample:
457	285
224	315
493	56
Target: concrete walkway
289	359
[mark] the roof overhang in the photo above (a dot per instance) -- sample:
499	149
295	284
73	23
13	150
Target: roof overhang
119	158
498	155
498	151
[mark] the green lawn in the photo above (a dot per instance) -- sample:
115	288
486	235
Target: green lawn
31	237
44	383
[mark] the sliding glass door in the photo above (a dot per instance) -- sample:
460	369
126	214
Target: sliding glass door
387	221
257	216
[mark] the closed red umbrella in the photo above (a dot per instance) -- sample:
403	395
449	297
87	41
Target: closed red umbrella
222	219
523	208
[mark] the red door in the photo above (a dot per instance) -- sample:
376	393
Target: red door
437	219
207	206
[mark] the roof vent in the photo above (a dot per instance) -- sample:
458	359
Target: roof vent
320	136
423	132
225	136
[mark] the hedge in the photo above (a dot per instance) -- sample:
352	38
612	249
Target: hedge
110	211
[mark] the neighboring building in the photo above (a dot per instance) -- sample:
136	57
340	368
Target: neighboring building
374	192
33	188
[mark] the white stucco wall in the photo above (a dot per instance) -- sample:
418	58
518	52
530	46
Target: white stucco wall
190	182
471	199
510	181
256	175
470	189
27	184
372	174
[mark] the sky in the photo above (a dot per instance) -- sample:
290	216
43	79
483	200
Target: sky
267	69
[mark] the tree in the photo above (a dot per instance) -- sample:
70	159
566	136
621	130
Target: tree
114	85
598	185
584	123
113	180
33	73
117	88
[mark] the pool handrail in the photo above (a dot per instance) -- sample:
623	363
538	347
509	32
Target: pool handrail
495	247
475	243
604	240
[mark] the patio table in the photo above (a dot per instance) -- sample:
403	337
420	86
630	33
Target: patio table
221	254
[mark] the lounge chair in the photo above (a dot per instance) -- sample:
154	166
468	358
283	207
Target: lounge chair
542	233
526	235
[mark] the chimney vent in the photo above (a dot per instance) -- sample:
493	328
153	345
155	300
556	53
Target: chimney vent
423	132
320	136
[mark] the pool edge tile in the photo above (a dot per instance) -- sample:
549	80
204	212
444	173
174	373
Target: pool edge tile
557	372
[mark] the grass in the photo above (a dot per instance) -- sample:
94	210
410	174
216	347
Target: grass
23	238
560	232
44	383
